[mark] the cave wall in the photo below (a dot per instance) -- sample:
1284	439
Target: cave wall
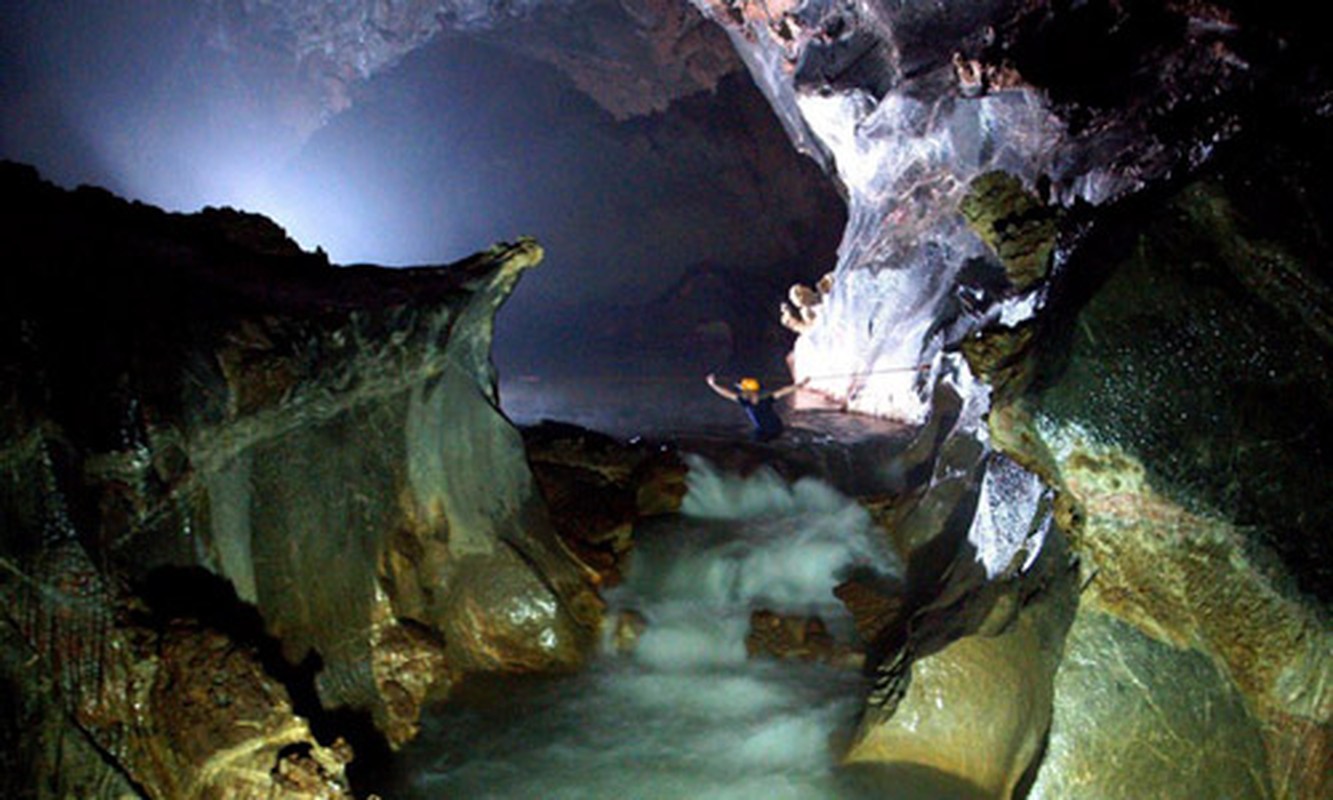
1053	194
193	391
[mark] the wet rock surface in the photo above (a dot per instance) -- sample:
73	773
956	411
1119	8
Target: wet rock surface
1131	239
803	638
598	487
964	655
1153	402
1129	705
1144	361
194	391
118	701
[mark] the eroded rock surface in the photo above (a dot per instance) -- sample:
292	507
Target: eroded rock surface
312	55
797	637
195	391
1017	183
598	487
1129	705
1158	416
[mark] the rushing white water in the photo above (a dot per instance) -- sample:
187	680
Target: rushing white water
686	714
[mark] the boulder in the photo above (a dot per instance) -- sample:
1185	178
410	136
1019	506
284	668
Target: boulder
974	710
598	487
797	637
1135	717
1163	412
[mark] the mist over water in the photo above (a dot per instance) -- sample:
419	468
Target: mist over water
685	714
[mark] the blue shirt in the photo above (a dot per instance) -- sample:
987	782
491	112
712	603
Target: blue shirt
767	423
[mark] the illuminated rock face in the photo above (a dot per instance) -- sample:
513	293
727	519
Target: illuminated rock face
1005	166
1162	409
978	710
906	104
632	58
194	391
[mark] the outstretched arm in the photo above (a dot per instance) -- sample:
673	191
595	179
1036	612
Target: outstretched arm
786	390
712	384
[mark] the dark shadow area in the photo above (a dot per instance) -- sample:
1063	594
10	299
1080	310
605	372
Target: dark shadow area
906	782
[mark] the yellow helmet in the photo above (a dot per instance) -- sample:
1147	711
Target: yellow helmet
748	384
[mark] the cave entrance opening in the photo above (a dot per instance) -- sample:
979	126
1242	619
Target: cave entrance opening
673	226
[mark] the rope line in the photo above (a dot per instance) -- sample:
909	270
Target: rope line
679	378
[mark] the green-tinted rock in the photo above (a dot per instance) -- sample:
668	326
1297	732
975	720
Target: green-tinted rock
1136	718
1217	388
1014	223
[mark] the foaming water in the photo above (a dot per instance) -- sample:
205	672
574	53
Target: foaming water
685	714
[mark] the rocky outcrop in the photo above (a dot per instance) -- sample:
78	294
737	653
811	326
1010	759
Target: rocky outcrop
964	654
799	638
195	391
979	708
1015	224
597	489
168	709
1136	717
1024	213
1161	407
633	57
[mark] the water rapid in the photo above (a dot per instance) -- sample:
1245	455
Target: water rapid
684	714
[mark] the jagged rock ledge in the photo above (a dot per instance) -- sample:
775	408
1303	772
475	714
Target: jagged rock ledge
186	392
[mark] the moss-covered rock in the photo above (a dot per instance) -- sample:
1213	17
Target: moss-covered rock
1014	223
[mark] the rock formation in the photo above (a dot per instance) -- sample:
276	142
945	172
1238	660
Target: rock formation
1100	226
311	57
1113	246
597	488
194	392
798	315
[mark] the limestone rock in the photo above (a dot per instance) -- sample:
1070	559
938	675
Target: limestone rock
229	728
802	638
1001	356
190	391
628	626
1014	224
409	664
631	57
597	488
1158	416
1136	717
802	309
1188	582
877	613
978	709
506	619
176	708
